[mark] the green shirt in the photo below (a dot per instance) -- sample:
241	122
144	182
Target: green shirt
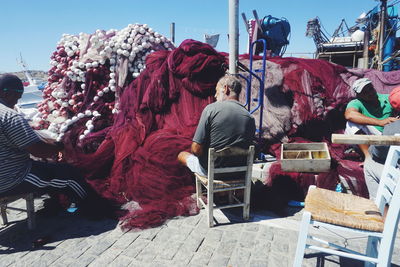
384	110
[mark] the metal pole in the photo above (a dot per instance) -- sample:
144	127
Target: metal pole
233	35
382	32
365	49
173	32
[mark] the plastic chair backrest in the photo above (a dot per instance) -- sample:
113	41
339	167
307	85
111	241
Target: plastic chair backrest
389	194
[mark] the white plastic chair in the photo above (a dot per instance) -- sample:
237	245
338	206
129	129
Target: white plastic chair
225	185
380	243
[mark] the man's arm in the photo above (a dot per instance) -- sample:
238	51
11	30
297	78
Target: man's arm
44	150
197	149
353	115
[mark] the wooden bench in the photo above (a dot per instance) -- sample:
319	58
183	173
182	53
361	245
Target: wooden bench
30	208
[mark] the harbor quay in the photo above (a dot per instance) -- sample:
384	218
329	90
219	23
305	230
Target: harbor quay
70	240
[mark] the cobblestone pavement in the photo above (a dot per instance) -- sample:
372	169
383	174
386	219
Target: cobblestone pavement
73	241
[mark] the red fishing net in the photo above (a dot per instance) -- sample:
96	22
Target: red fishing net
159	111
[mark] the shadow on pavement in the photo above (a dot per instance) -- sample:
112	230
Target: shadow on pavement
50	232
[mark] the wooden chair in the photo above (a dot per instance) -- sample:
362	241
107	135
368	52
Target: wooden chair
30	208
213	186
352	214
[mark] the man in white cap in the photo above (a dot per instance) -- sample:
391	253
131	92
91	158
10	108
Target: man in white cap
369	112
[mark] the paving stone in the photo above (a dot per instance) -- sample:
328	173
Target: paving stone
275	259
203	255
252	227
176	222
101	246
169	251
107	257
231	236
258	263
179	263
181	234
193	242
148	253
135	248
32	255
247	240
48	258
84	260
214	235
158	263
213	238
64	261
280	245
136	263
182	257
191	220
202	228
150	234
261	249
265	233
116	233
218	260
38	263
166	234
6	261
121	260
240	257
125	240
226	247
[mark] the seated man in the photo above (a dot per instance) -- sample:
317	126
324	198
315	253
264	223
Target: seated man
373	166
369	112
223	123
18	173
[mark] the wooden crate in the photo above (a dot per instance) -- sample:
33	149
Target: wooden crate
305	157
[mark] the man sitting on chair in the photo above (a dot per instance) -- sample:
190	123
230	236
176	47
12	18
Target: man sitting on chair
18	173
368	113
223	123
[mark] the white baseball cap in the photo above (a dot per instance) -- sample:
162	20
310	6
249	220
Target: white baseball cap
359	84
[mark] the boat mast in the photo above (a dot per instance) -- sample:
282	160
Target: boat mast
25	70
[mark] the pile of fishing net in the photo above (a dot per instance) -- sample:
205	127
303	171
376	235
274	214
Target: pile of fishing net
125	103
305	101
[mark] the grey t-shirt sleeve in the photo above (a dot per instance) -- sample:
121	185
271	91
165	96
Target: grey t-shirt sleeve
201	133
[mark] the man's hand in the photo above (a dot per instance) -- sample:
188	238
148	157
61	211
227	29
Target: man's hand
45	150
388	120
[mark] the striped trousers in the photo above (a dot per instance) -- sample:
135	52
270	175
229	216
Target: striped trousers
53	178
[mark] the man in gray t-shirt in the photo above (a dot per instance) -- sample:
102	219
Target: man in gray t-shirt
223	123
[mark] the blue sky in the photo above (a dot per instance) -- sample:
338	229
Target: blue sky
33	28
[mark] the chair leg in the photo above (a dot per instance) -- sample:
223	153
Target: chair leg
198	193
210	205
30	210
3	210
230	199
372	250
246	202
301	242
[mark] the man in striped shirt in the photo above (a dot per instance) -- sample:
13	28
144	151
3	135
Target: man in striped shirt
18	173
